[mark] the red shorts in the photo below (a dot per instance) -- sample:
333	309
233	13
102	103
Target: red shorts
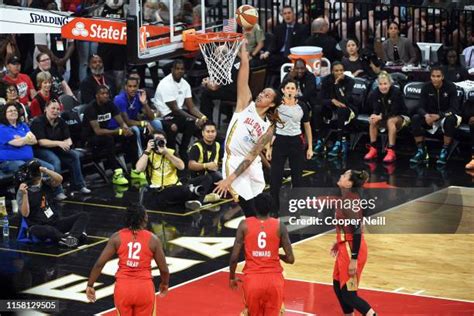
341	266
134	297
263	293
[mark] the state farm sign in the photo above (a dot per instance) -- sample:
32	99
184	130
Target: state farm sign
96	30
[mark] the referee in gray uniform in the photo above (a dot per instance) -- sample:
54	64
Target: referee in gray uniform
288	142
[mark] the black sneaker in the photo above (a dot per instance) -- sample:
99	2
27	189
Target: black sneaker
83	239
69	241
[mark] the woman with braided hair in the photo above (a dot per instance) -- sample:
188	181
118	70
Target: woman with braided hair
251	128
135	247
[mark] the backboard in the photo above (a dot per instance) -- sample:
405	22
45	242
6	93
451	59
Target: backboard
154	28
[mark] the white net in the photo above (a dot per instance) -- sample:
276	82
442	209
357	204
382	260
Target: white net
219	51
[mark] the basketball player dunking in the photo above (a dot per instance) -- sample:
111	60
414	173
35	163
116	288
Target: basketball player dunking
134	292
250	129
350	249
261	237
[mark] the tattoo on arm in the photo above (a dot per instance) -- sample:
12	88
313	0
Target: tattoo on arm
257	149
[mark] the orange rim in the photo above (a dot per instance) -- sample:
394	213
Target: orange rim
216	37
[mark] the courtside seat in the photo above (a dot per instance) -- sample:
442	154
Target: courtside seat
412	93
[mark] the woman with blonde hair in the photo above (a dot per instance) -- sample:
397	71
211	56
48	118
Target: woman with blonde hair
389	112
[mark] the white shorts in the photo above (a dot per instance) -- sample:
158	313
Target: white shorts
250	183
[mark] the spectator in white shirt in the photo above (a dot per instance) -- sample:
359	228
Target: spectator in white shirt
468	53
172	93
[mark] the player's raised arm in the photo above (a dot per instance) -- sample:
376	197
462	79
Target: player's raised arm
244	95
285	242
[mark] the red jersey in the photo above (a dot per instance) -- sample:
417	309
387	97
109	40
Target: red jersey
23	84
345	232
261	246
134	255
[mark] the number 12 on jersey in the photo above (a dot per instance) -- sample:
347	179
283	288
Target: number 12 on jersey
134	249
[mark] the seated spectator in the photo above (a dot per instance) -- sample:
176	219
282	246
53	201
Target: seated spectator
26	89
398	49
132	103
452	69
205	156
8	48
321	38
171	95
306	81
16	142
469	119
468	53
89	86
336	91
11	97
59	85
211	91
161	166
55	145
43	96
438	109
388	112
255	42
287	35
44	222
359	65
97	117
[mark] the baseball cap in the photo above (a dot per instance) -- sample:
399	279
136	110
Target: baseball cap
13	60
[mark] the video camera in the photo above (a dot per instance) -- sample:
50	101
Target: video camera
28	171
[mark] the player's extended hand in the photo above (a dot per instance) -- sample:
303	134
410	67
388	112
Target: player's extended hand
309	153
163	289
90	293
234	283
222	187
334	250
353	267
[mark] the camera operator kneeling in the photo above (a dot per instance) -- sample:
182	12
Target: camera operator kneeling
161	166
43	220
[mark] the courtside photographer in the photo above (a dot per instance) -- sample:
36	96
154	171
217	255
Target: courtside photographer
44	221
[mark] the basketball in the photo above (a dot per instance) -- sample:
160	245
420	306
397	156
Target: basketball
246	16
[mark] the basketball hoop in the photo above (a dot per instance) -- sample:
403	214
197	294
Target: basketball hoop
219	50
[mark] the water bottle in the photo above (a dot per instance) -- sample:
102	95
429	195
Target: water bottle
6	228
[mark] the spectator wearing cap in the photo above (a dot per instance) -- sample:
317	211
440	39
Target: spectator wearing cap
88	87
26	89
55	145
59	85
44	95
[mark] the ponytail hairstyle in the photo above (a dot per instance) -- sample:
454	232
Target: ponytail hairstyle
358	178
272	114
135	217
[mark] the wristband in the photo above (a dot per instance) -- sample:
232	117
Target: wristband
203	117
88	285
120	132
204	166
146	153
143	123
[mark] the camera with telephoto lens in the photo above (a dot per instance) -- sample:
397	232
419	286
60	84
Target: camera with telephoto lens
28	171
158	143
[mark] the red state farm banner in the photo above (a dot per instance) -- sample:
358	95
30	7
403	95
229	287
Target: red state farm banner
114	32
96	30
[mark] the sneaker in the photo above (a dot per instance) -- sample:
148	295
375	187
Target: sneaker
390	156
83	238
470	165
119	178
60	197
85	190
192	205
69	241
443	157
336	149
138	175
420	156
319	147
372	154
211	197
